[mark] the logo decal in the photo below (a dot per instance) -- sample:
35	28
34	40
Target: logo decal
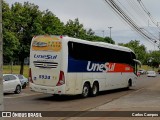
90	66
47	43
45	56
95	67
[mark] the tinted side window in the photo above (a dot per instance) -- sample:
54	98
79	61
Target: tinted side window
6	78
20	76
11	77
81	51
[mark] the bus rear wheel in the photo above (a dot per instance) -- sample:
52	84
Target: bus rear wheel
94	90
86	89
129	83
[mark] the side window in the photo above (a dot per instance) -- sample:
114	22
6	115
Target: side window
87	52
20	76
6	78
11	77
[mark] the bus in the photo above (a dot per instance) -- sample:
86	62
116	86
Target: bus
62	65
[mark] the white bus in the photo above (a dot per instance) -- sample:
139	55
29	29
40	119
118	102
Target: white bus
64	65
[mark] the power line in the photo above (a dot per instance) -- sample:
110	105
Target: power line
140	13
130	21
148	13
143	17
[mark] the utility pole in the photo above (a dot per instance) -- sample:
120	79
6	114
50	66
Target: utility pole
155	45
158	24
103	33
159	42
159	36
1	60
110	31
148	23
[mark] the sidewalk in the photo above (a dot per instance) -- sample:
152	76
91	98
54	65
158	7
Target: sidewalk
145	99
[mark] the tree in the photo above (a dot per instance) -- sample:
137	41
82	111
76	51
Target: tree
154	59
52	24
10	41
23	21
140	50
74	29
27	22
90	32
108	40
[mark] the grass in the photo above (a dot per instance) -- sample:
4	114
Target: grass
146	67
15	69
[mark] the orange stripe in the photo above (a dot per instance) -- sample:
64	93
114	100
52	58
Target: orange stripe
120	67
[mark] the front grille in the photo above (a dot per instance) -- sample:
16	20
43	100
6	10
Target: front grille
42	64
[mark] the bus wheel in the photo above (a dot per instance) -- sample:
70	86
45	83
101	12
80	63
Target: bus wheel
95	89
129	83
85	92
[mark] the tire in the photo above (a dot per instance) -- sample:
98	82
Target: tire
18	89
129	84
85	91
94	90
56	95
24	86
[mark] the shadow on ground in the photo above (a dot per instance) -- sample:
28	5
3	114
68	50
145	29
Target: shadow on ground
75	97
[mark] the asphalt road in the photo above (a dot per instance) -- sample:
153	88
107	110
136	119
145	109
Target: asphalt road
31	101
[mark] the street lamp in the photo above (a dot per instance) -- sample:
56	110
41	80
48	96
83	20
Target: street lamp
110	30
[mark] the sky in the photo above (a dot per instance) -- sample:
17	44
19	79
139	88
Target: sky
97	15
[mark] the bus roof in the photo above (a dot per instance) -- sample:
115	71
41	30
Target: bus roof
94	43
101	44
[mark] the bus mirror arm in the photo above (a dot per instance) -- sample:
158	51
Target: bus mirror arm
138	62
